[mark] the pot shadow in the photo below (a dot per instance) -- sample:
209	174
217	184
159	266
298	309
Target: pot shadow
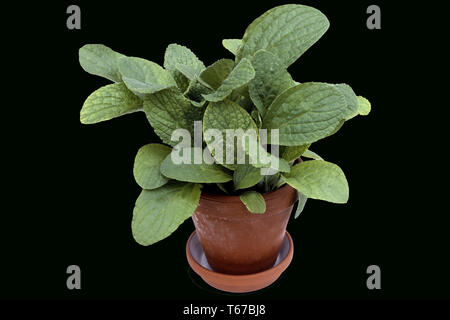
200	283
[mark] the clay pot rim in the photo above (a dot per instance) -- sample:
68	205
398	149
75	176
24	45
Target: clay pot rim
223	198
204	272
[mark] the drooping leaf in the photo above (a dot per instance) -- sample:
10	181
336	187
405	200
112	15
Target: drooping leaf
232	45
109	102
293	153
306	113
242	73
286	31
215	74
363	106
319	179
246	176
254	201
312	155
144	77
350	98
271	78
100	60
179	55
146	165
168	110
160	211
192	172
301	204
223	116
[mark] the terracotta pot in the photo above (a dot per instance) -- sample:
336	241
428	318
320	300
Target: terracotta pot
236	241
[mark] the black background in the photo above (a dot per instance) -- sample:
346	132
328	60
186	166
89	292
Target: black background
74	196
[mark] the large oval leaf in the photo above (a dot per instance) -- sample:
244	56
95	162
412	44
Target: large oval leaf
144	77
319	179
306	113
271	78
159	212
147	163
100	60
168	110
109	102
192	172
287	31
215	74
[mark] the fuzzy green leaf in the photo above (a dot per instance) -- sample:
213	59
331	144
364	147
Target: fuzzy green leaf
240	75
100	60
301	204
215	74
363	106
222	116
109	102
232	45
144	77
146	165
293	153
319	179
191	172
168	110
160	211
306	113
287	31
271	78
246	176
254	201
180	55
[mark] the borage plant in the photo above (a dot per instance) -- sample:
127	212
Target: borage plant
253	96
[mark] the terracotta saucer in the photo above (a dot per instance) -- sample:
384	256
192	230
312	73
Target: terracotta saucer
237	283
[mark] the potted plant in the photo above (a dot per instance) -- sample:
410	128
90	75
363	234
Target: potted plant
232	136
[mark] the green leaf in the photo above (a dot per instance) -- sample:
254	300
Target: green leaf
350	99
319	179
293	153
159	212
215	74
240	75
260	158
180	55
312	155
222	116
246	176
306	113
146	165
271	78
144	77
109	102
168	110
363	106
100	60
301	204
194	93
187	71
232	45
254	201
287	31
191	172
